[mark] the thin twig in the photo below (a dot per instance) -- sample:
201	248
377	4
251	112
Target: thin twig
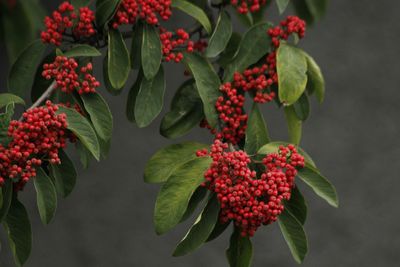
45	95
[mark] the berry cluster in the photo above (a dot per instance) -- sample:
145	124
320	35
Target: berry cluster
64	71
131	10
171	41
291	25
63	19
35	139
245	198
245	6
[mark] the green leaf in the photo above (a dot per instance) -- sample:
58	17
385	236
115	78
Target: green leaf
201	229
321	186
99	113
23	70
240	251
219	228
316	82
254	45
82	50
207	83
119	64
106	80
80	3
151	51
317	8
273	147
81	127
64	174
6	192
150	99
84	154
46	196
303	11
136	46
294	235
186	112
221	35
292	73
195	12
246	19
133	92
5	119
164	163
294	125
282	5
175	194
230	51
18	228
105	10
256	132
297	205
7	98
195	200
40	84
302	107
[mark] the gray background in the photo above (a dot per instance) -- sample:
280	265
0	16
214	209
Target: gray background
107	221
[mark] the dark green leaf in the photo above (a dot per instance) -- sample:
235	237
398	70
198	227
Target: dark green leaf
23	70
136	47
107	83
81	127
186	112
175	194
7	98
40	84
303	11
133	92
294	125
82	50
195	12
254	45
99	113
195	200
151	51
207	83
46	196
119	64
282	5
297	205
219	228
316	82
292	73
302	107
18	228
321	186
220	36
201	229
230	50
150	99
246	19
64	174
80	3
163	163
105	10
256	132
84	154
240	251
5	119
317	8
6	192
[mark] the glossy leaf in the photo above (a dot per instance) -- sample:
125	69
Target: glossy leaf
5	119
40	84
194	202
46	196
282	5
256	132
106	80
292	73
302	107
82	50
254	45
201	229
219	228
164	163
64	174
186	112
6	192
303	11
131	101
136	46
294	125
175	194
105	10
207	83
150	99
81	127
221	35
321	186
119	64
151	51
230	51
240	251
80	3
294	234
316	82
193	11
85	156
7	98
99	113
317	8
23	70
18	228
297	205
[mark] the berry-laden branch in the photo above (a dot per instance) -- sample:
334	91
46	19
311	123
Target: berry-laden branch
241	178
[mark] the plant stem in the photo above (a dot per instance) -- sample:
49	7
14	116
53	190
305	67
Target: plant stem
44	96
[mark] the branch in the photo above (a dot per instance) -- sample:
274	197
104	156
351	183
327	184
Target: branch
44	96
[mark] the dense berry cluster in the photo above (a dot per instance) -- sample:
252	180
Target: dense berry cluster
246	198
67	76
291	25
36	138
245	6
64	18
131	10
172	41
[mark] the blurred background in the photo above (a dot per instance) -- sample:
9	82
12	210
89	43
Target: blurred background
353	136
